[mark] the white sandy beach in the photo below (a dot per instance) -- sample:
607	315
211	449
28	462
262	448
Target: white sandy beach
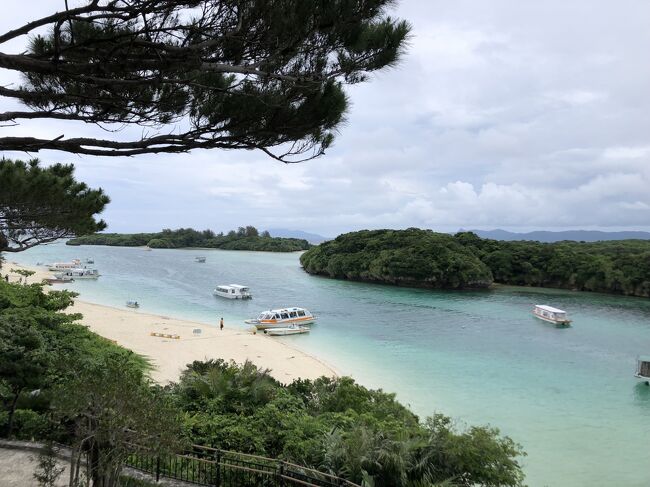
132	329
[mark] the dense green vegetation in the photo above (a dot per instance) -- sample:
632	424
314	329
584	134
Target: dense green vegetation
424	258
405	257
59	381
244	238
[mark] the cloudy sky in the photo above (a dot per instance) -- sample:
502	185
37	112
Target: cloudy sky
504	114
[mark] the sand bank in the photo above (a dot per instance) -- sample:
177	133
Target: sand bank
132	329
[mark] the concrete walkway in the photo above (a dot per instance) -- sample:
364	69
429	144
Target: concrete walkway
17	468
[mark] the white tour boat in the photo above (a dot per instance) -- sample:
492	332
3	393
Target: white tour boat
643	368
287	330
79	273
64	266
132	304
199	259
280	318
233	291
551	314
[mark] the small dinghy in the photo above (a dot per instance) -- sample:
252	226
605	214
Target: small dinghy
287	330
132	304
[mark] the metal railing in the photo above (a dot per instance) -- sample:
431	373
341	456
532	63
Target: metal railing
220	468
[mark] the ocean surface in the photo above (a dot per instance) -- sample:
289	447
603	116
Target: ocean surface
568	395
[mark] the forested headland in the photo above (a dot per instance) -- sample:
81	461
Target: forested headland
244	238
61	382
423	258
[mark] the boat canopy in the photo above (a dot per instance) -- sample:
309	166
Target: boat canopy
550	309
283	314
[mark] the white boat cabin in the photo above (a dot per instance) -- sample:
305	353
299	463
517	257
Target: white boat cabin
551	314
233	291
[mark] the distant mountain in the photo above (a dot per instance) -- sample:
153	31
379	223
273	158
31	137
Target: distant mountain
548	236
313	238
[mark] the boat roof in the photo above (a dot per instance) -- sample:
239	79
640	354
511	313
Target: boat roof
237	286
551	309
284	310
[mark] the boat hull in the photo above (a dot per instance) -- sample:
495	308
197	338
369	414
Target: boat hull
232	296
551	320
260	325
287	331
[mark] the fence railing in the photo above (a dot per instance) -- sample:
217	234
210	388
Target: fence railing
219	468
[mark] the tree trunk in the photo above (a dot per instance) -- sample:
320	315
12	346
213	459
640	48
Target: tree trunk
96	474
12	410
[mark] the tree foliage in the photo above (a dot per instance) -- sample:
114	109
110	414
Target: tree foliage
410	257
232	74
244	238
340	427
39	205
62	382
617	266
423	258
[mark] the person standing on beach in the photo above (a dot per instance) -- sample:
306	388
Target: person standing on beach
221	324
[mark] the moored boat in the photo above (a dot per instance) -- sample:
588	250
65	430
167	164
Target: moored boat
78	273
551	314
132	304
233	291
58	280
280	318
62	266
287	330
199	259
643	368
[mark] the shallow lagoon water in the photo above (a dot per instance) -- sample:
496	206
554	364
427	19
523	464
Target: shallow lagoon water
568	395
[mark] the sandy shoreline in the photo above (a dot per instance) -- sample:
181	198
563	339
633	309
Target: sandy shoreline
132	329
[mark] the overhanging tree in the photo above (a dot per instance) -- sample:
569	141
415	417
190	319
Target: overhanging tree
230	74
39	205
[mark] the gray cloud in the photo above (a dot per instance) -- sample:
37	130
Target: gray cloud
504	114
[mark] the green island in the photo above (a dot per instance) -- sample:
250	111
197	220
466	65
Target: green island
244	238
423	258
97	398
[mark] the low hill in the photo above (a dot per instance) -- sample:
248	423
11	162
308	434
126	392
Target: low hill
246	238
413	257
573	235
312	238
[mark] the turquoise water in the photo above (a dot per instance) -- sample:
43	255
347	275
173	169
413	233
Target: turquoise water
567	395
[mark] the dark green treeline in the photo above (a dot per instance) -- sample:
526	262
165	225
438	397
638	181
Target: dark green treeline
423	258
244	238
